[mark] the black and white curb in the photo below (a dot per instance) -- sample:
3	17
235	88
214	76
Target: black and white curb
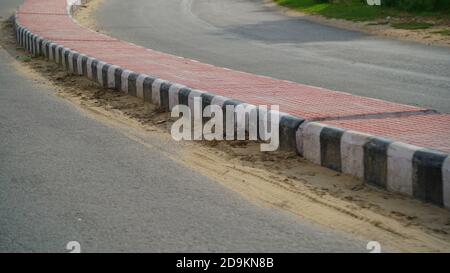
398	167
395	166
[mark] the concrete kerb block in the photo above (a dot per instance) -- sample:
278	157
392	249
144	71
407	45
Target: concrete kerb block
174	94
330	148
243	121
59	54
71	63
22	39
140	85
118	78
164	95
183	96
428	176
111	77
147	88
80	59
99	71
309	133
24	35
21	43
30	42
33	44
89	65
66	59
352	153
104	75
124	80
288	131
446	182
51	51
375	161
75	65
18	31
234	103
20	36
25	38
38	45
156	91
132	88
219	101
400	167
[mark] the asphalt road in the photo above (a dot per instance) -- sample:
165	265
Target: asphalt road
67	177
245	35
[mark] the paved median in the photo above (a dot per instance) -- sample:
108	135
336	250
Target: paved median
397	147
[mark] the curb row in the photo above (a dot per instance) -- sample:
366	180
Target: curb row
395	166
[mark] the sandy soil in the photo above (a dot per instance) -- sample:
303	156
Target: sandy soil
379	27
281	180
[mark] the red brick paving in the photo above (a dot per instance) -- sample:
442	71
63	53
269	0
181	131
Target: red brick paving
422	130
44	17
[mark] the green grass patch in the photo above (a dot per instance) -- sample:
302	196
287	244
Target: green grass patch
412	25
354	10
25	58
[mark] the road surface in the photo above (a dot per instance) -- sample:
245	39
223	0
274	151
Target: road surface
247	36
67	177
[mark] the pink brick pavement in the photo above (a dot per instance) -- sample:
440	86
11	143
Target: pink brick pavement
311	103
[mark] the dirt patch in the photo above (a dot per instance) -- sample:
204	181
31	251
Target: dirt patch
83	14
279	180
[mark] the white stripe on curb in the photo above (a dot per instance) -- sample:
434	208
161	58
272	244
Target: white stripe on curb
173	94
140	85
124	80
193	94
111	78
71	61
352	153
311	141
57	57
400	167
219	100
89	67
100	72
156	91
80	64
51	57
63	56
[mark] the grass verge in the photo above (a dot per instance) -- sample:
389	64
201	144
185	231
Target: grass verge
356	10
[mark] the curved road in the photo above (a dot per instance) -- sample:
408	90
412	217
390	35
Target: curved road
245	35
65	176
